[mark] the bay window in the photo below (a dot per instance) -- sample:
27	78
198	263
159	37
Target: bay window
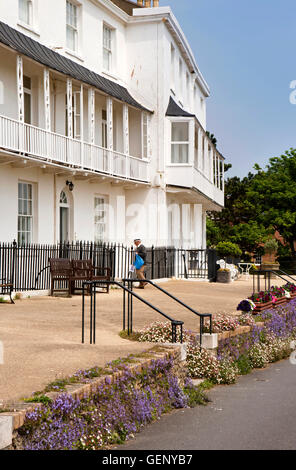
180	142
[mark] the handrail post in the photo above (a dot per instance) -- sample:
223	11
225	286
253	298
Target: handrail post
83	307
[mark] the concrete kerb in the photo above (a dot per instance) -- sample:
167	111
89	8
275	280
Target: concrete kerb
11	421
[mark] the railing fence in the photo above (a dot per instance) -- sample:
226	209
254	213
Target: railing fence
27	266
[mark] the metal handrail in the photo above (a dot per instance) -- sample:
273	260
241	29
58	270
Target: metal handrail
201	316
92	284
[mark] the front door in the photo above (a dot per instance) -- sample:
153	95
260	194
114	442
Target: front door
64	224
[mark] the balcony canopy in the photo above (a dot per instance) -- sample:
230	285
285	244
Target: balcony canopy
175	110
34	50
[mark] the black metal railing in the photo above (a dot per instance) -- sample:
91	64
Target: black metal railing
202	316
90	287
266	276
27	266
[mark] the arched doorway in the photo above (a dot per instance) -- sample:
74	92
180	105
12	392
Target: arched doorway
64	211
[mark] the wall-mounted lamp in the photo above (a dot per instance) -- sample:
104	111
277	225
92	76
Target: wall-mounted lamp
70	184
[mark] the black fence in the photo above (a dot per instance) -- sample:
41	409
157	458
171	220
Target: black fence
27	266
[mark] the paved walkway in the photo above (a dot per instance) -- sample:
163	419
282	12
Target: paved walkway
42	336
257	413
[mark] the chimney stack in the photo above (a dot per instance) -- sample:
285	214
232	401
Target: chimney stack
155	3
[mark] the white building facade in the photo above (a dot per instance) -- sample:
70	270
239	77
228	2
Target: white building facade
102	126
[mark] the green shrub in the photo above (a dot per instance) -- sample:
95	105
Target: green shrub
228	249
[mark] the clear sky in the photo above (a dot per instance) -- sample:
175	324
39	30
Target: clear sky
246	50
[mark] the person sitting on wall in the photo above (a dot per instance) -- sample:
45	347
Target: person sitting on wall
141	253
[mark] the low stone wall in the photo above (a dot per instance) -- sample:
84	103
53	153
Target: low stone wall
12	420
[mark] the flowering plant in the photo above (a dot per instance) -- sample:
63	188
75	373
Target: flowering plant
278	292
246	305
290	287
262	297
221	323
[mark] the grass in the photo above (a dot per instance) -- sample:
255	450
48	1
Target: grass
38	399
131	337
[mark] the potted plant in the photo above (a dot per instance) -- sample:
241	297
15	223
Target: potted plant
270	248
224	275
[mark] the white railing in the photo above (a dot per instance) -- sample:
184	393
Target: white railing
33	141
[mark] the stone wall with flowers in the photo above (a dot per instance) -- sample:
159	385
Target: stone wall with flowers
98	407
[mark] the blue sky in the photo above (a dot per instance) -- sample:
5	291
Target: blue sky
246	51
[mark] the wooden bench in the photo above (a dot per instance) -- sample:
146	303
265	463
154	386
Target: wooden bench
77	271
6	288
83	270
61	271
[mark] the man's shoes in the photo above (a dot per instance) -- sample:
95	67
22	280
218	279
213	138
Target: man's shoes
140	287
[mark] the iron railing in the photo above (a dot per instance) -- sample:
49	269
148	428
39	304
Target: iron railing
90	286
27	265
201	316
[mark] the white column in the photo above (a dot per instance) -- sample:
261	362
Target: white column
69	107
46	83
110	123
125	130
204	230
200	156
223	176
198	225
91	115
20	88
109	103
82	125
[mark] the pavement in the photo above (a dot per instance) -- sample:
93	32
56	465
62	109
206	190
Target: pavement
257	413
41	336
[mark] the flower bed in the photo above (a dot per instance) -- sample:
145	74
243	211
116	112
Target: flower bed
240	349
264	343
119	404
264	300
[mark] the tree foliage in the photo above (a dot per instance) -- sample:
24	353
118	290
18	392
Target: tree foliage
273	192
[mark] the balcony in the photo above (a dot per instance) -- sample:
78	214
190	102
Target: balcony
27	140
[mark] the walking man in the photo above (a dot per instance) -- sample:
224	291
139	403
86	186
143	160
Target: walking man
141	251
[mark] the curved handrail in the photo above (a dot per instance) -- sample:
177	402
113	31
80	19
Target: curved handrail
174	322
202	316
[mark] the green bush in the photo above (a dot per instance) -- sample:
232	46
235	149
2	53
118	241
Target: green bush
228	249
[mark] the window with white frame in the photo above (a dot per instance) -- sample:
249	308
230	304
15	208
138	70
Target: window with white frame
180	142
101	216
26	11
25	213
72	26
107	48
